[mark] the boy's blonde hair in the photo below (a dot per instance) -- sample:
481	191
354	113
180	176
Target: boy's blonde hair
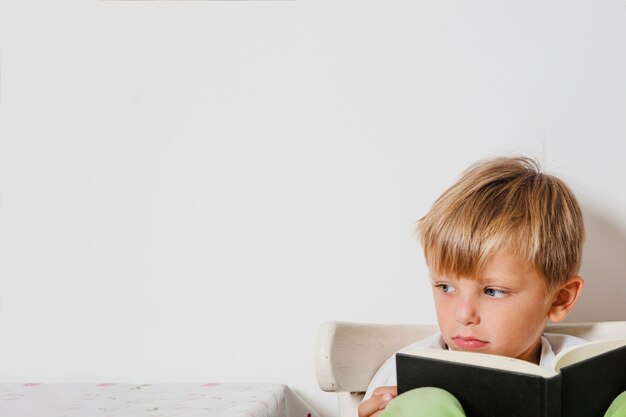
505	203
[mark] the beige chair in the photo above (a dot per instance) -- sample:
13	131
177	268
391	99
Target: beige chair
349	354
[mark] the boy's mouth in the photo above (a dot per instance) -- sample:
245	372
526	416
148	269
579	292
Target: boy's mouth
468	343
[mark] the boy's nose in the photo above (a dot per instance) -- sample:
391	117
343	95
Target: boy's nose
467	312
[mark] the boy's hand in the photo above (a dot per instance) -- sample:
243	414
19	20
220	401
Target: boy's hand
377	402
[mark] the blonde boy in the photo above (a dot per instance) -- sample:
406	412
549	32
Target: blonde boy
504	247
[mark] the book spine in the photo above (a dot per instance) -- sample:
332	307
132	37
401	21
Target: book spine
552	397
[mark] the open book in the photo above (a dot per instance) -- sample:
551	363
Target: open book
583	382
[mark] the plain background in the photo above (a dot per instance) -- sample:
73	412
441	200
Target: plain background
187	189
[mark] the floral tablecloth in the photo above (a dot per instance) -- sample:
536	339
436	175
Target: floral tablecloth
151	400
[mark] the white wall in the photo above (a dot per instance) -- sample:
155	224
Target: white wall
187	189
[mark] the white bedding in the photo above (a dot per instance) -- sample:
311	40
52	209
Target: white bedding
151	400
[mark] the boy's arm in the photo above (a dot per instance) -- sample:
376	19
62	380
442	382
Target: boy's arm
375	405
385	379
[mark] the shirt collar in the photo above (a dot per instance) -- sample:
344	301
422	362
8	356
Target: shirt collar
547	354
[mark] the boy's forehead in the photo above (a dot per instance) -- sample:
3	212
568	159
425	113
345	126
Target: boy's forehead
499	264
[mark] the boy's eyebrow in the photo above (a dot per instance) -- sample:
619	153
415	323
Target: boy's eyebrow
493	280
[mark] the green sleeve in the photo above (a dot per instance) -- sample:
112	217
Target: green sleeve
425	402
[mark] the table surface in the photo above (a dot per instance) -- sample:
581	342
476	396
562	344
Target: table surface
151	400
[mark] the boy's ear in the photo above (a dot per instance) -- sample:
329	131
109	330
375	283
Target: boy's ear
565	297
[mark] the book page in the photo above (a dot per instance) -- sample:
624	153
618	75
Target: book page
484	360
585	351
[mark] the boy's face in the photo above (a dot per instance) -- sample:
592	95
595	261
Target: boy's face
502	312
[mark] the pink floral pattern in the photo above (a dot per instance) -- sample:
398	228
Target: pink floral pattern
151	400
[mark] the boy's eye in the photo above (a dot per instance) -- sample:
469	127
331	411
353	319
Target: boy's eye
492	292
446	288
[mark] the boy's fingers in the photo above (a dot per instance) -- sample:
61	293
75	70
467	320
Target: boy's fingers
393	390
375	405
